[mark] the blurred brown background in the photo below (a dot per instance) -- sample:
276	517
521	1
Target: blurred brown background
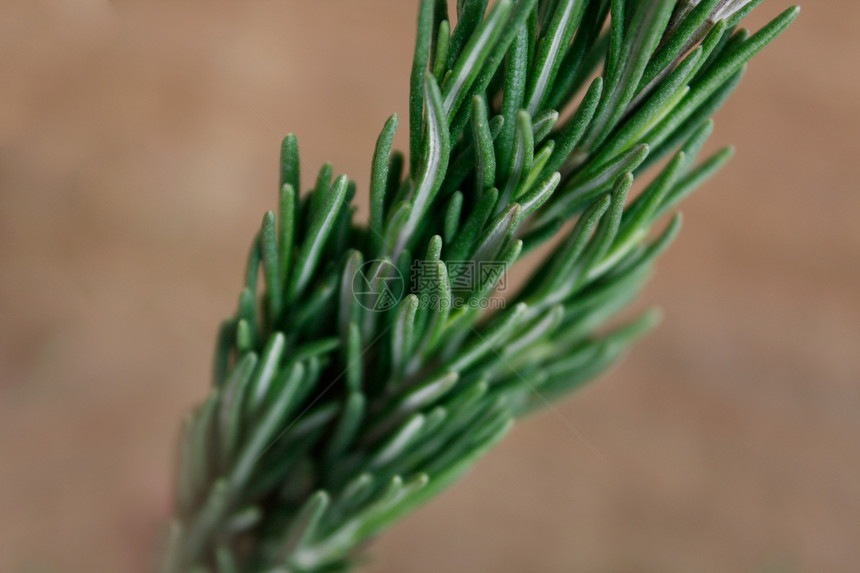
138	151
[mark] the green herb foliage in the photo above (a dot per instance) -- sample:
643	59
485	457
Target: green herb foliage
335	410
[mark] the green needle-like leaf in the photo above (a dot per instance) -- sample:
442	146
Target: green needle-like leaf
433	164
317	234
416	85
379	180
485	160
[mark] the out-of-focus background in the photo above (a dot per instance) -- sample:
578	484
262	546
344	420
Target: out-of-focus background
138	151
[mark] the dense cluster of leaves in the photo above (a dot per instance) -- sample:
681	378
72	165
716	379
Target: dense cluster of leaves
331	415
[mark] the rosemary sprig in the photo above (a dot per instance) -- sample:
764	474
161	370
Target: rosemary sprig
363	374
